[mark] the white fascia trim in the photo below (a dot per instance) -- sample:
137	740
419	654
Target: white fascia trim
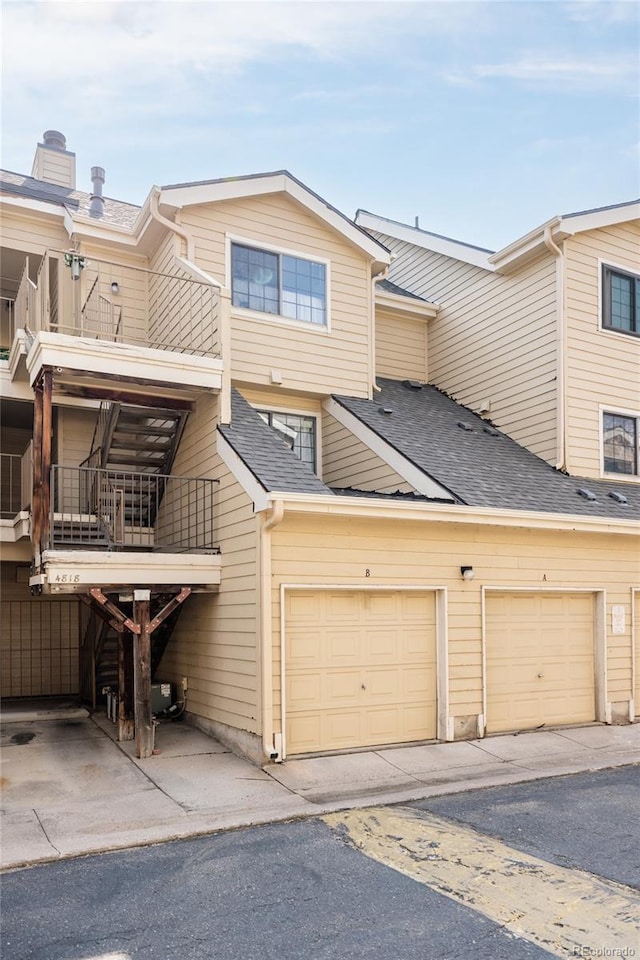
278	183
419	238
580	222
197	273
239	469
36	206
393	301
13	530
451	513
561	228
404	468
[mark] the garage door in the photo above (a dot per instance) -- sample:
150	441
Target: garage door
540	660
360	668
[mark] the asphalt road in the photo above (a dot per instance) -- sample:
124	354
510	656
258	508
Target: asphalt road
302	890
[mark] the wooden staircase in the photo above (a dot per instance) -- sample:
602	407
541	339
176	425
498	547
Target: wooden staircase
100	649
140	439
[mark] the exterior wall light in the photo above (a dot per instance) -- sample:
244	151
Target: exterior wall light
115	287
467	573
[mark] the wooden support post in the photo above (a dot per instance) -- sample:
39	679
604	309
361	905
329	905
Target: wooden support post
142	674
126	724
36	499
47	435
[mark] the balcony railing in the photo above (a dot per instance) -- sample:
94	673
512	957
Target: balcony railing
10	485
115	510
102	300
15	483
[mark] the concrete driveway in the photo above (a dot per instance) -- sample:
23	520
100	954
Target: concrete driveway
68	788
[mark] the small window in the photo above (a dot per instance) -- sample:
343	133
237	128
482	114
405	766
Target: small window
620	300
279	284
620	444
298	432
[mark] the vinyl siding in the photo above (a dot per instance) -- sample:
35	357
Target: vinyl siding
75	433
401	347
31	233
493	339
603	367
325	550
348	462
54	166
132	300
215	641
310	358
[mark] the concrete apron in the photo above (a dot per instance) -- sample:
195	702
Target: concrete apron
68	788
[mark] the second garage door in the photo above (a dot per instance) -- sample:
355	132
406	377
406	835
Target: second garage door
360	668
540	660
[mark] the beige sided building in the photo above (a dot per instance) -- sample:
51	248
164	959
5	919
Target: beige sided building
252	421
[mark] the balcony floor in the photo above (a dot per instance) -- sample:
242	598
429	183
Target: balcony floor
76	571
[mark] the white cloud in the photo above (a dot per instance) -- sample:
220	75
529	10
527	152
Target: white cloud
584	73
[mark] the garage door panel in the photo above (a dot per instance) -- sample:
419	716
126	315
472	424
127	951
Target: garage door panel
540	660
376	670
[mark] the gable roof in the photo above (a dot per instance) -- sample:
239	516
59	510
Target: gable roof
482	466
511	256
436	242
265	454
179	195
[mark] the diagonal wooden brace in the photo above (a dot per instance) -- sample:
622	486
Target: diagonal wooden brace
115	611
168	609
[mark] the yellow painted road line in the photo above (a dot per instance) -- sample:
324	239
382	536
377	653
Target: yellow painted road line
569	913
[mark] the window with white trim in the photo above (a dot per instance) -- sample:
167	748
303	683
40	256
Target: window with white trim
620	300
620	443
279	284
297	431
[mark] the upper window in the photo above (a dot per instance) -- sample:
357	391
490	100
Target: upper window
620	443
620	300
298	432
278	283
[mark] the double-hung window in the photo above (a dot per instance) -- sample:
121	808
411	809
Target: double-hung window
620	443
620	300
297	431
279	283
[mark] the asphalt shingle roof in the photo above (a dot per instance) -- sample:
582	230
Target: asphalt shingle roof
116	212
398	291
266	455
482	466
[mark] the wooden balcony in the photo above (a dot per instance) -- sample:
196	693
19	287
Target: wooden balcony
116	528
98	323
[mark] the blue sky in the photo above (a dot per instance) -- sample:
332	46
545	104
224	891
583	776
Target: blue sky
482	118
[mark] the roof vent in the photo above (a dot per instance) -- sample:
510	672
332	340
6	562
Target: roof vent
96	204
54	139
491	431
586	494
618	497
412	384
465	426
386	410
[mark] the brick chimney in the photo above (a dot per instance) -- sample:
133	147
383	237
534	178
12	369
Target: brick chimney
53	163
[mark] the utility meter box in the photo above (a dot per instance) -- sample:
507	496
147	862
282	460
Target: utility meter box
162	697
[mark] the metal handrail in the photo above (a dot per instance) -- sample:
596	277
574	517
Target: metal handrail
115	510
10	485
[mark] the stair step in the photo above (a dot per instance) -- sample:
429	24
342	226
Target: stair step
126	443
135	429
134	414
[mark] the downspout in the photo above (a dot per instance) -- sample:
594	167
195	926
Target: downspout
372	341
154	210
553	248
273	517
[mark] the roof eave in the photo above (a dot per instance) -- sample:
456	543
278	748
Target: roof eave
183	195
393	301
451	513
